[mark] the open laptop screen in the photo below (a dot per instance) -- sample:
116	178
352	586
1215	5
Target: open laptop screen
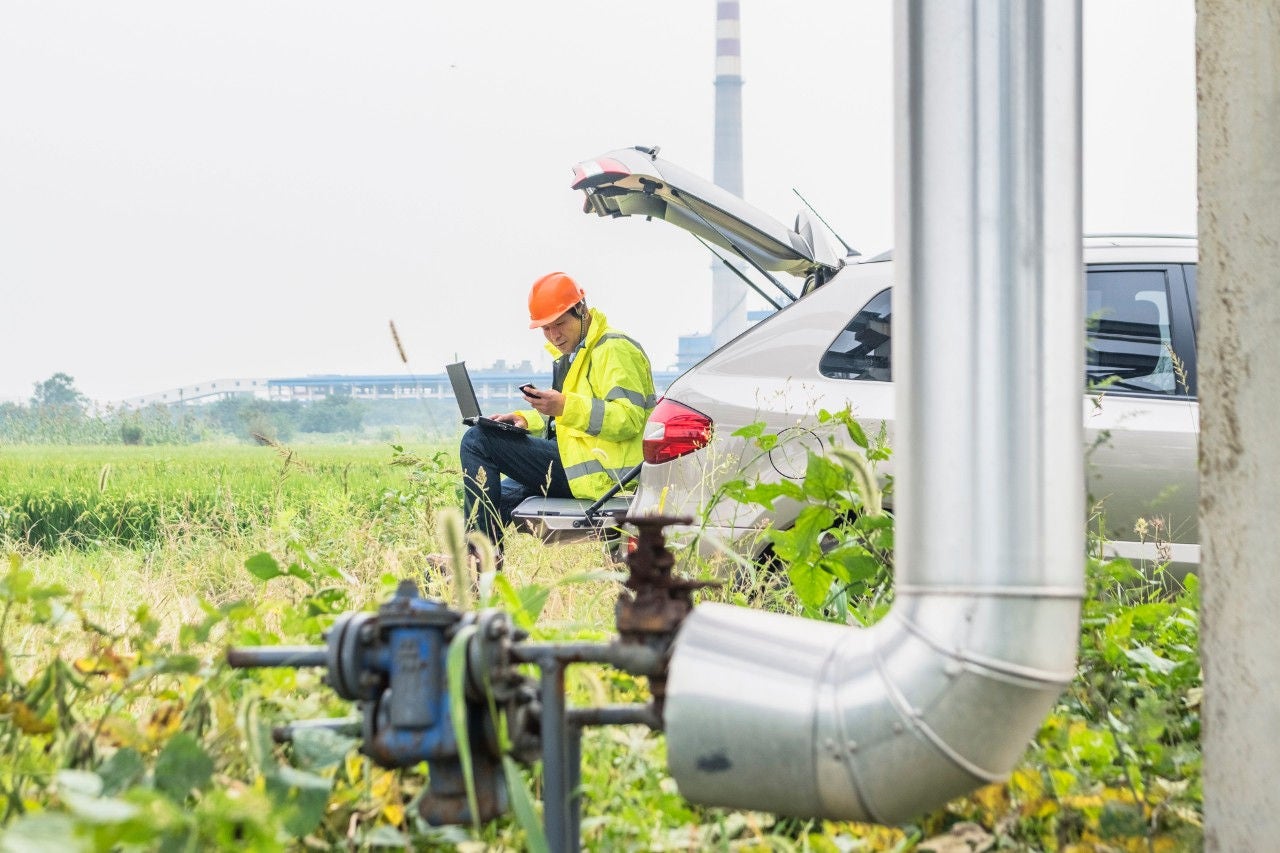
468	404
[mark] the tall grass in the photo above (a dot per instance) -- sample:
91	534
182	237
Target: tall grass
111	669
134	496
113	648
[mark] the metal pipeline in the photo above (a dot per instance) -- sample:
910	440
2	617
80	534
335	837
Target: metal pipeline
796	717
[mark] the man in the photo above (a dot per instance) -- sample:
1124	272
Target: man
585	431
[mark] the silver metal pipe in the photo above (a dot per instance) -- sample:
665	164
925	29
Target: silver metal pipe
780	714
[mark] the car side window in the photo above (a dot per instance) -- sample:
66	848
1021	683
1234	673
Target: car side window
1128	346
1127	331
862	350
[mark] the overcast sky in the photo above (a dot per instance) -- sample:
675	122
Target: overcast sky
254	189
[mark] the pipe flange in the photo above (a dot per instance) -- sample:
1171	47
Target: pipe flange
489	656
347	674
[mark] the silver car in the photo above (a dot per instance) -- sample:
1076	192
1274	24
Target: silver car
832	347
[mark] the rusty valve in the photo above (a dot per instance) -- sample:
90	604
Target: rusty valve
656	602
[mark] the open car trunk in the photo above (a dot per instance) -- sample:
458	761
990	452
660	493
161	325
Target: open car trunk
635	182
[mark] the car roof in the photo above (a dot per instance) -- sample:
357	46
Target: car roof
1170	241
1099	241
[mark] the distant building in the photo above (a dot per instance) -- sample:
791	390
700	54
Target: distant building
692	349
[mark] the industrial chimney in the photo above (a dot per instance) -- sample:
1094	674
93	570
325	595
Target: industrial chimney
728	294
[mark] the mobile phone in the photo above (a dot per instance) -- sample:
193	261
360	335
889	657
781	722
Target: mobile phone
530	390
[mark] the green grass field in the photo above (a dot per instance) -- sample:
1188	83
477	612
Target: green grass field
122	728
134	495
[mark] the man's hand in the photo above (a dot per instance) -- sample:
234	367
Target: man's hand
511	418
545	401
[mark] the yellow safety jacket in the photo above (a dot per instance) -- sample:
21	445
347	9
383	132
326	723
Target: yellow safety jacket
608	394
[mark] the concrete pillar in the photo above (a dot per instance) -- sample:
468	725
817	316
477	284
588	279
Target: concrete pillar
1238	72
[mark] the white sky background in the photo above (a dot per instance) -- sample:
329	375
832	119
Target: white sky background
253	189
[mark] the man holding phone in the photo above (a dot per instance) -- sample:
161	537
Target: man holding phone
585	431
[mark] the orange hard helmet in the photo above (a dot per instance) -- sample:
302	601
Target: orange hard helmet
551	296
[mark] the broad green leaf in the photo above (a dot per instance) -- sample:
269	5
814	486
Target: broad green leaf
1144	656
1094	748
870	523
754	430
184	664
42	832
824	479
1121	819
48	591
1064	781
1153	614
300	779
183	766
318	748
336	573
16	586
856	434
303	554
764	494
533	597
121	770
301	572
263	566
99	809
330	599
787	545
525	604
258	738
79	782
857	564
301	795
802	542
810	583
386	836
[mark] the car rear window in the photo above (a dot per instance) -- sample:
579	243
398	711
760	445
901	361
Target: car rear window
863	349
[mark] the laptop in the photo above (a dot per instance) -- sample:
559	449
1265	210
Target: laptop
465	393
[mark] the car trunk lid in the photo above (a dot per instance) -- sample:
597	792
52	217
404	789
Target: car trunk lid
635	182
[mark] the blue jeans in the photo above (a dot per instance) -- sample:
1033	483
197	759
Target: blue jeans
499	470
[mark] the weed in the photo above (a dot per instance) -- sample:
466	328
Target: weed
121	728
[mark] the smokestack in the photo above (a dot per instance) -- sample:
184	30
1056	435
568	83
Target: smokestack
728	293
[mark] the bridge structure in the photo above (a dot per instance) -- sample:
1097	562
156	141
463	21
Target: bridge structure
499	383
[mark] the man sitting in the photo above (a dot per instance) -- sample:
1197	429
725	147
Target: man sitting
585	431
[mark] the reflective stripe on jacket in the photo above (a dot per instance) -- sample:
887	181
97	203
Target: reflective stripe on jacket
608	394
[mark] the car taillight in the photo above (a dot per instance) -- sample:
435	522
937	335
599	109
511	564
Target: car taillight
592	173
674	430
